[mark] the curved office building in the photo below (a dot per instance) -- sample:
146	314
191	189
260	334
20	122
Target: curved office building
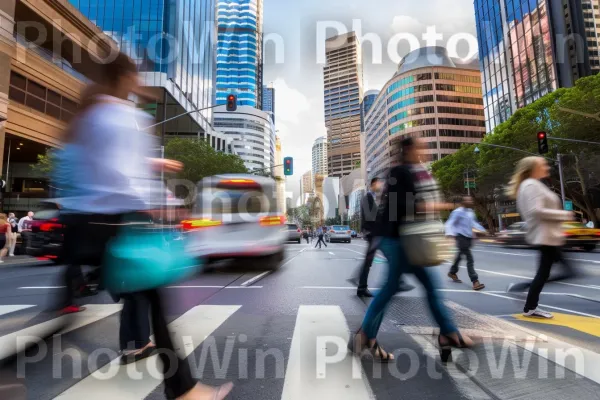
252	135
430	97
239	51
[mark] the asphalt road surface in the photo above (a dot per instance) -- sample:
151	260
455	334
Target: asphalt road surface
283	335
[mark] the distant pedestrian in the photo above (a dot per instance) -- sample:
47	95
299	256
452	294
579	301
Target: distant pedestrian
541	210
320	235
460	225
305	235
14	227
24	228
5	233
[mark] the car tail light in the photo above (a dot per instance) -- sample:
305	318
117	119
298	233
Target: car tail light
49	226
332	231
193	224
349	232
238	183
273	220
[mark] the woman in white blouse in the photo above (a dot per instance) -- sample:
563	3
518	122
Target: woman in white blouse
542	211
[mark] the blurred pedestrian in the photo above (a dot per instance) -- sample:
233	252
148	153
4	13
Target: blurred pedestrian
320	235
305	235
406	182
461	223
102	171
542	212
5	234
14	227
134	332
24	229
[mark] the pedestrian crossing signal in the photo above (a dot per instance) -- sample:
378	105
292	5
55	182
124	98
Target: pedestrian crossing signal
288	166
231	102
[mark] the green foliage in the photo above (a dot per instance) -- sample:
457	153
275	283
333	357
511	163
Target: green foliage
200	160
45	163
560	115
299	215
337	220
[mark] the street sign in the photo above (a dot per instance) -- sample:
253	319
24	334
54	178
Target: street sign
568	205
470	185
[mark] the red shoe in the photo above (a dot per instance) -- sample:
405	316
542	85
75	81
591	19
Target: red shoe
72	309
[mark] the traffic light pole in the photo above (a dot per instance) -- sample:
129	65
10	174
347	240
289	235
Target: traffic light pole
562	182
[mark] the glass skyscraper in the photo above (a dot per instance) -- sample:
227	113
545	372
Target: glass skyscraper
239	51
172	42
522	56
268	101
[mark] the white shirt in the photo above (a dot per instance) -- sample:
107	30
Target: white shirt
22	221
106	169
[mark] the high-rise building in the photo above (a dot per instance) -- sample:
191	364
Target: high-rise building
306	186
319	156
268	101
252	135
367	102
430	97
343	92
239	51
183	77
525	51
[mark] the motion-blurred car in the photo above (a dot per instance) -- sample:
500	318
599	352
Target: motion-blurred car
577	235
340	233
294	233
235	217
46	236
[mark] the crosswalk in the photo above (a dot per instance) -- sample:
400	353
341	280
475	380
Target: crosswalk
289	359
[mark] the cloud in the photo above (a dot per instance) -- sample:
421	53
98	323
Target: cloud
404	23
290	103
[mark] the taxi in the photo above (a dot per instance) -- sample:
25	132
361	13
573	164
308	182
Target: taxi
578	235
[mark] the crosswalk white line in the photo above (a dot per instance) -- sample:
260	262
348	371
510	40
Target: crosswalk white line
319	366
14	342
12	308
113	381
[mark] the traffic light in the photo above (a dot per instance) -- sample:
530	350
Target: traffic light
231	102
542	139
288	166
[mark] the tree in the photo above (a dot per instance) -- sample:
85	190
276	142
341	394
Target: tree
200	160
337	220
45	163
299	215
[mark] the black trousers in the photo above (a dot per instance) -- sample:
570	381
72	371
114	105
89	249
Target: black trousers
320	241
134	331
464	245
86	238
548	256
368	262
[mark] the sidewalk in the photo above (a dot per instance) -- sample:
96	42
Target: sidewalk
24	261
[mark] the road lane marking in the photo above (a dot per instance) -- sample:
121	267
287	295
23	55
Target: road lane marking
343	378
10	344
195	287
256	278
505	253
13	308
329	287
331	253
42	287
242	287
188	332
543	305
530	278
588	325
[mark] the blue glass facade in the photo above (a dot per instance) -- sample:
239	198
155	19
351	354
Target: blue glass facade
268	101
171	40
239	51
517	58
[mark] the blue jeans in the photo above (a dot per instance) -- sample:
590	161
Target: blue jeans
397	265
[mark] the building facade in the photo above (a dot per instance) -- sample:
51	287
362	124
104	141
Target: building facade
367	103
525	50
173	44
41	88
252	135
268	101
319	156
307	186
430	97
343	93
239	51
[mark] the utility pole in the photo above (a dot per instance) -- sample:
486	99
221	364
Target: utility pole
562	183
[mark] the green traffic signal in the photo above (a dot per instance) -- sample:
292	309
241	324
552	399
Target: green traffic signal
288	166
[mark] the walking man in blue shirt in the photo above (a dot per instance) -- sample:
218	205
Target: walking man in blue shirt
460	225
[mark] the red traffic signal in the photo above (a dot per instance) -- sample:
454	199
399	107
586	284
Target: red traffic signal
231	102
288	166
542	139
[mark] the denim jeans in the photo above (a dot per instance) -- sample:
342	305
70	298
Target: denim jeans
397	265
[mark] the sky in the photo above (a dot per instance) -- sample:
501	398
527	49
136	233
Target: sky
294	65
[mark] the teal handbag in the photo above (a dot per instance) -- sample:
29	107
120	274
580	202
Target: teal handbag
143	257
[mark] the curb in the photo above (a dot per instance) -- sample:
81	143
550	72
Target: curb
34	262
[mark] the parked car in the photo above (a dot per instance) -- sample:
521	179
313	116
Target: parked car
294	233
235	217
577	235
46	236
340	233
